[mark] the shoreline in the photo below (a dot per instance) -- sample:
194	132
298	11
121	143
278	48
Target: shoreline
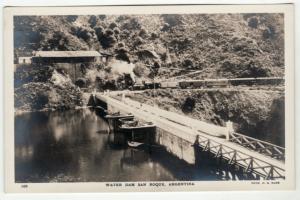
20	112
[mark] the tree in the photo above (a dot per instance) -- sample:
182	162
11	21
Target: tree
138	41
173	19
99	31
116	31
143	33
113	25
188	105
139	69
101	17
41	99
108	39
121	54
253	22
188	63
133	24
93	21
72	18
154	69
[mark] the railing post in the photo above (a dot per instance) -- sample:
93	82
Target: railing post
219	153
250	165
270	175
232	159
207	147
229	129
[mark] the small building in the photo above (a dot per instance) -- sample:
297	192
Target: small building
24	60
48	57
74	63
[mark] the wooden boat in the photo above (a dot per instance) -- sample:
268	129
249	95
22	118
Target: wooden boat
118	116
113	120
135	125
134	144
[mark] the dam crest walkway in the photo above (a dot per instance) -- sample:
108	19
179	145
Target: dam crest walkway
254	156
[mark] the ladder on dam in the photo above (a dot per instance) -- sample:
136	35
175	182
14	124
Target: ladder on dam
254	156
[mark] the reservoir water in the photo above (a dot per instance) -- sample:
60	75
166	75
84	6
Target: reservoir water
74	146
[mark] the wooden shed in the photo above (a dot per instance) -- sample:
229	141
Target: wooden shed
48	57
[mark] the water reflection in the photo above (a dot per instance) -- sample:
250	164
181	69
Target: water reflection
75	146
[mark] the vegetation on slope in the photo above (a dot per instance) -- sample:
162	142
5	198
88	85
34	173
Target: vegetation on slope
220	45
217	45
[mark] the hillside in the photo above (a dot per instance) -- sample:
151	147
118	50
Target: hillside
219	45
164	46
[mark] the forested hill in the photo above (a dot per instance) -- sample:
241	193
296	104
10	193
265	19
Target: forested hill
220	45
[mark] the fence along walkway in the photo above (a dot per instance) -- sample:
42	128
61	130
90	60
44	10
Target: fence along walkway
236	155
262	147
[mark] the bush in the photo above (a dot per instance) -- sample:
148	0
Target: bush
172	19
108	39
116	31
269	32
121	54
143	33
255	69
101	17
138	41
154	36
133	24
109	32
188	105
139	69
125	33
32	73
253	22
110	85
166	27
82	33
188	63
107	69
41	99
93	21
72	18
122	18
99	31
121	44
58	41
245	69
80	82
113	25
180	44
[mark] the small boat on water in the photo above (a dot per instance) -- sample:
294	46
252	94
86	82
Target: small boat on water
114	119
118	115
135	125
137	129
134	144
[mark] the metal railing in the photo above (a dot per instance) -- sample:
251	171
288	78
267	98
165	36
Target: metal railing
250	164
259	146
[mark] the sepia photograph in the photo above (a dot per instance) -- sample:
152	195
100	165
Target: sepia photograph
146	100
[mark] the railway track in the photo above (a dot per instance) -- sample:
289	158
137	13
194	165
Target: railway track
212	83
